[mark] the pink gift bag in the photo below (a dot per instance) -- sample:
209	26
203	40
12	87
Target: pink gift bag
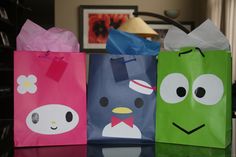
49	98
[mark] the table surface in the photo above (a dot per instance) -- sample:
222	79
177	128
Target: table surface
153	150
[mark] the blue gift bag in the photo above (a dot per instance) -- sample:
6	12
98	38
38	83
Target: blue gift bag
121	98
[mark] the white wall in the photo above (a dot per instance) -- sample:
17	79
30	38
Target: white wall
66	11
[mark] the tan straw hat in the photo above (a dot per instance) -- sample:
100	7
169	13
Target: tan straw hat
137	26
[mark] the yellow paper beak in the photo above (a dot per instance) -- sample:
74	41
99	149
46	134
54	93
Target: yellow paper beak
122	110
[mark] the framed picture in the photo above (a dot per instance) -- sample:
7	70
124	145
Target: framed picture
95	21
4	39
3	13
162	28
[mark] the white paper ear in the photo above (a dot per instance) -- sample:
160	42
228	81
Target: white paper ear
52	119
207	37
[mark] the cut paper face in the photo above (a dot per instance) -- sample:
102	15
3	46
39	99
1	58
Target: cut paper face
52	119
207	89
124	128
191	100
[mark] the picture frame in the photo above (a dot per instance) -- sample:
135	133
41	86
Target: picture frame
95	21
162	28
3	13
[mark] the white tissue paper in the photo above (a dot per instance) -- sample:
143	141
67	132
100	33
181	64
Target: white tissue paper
207	37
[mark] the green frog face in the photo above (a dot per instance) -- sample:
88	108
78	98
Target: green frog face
192	103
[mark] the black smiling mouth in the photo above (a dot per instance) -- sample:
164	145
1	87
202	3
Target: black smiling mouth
188	132
54	128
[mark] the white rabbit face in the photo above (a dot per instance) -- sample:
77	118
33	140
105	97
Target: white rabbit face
52	119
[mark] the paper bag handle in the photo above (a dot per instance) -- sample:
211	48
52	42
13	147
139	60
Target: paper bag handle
188	51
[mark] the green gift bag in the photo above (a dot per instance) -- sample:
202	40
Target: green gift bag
194	98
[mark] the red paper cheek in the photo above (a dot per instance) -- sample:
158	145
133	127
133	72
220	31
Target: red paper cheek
56	69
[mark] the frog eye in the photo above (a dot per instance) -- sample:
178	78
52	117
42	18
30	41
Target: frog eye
174	88
208	89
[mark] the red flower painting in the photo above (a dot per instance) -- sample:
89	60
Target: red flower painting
99	25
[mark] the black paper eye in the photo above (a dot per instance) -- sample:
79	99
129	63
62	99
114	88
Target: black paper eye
104	101
138	102
181	91
35	118
69	116
200	92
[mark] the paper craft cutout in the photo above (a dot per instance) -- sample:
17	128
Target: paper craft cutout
27	84
122	128
208	89
125	128
174	88
141	87
119	69
56	69
52	119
